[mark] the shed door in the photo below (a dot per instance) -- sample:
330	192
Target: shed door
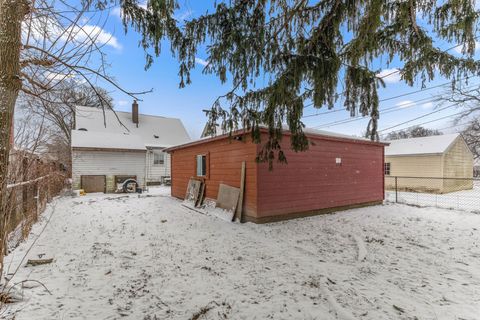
93	183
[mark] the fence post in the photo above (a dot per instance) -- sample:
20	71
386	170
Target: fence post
37	199
47	179
25	206
36	189
396	189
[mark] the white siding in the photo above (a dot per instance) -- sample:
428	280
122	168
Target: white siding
458	163
108	163
156	172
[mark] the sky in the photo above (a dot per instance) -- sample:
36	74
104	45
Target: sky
127	61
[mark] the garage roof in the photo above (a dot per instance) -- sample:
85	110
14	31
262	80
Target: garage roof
423	145
106	140
307	131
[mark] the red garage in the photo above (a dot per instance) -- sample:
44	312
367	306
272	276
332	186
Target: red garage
337	172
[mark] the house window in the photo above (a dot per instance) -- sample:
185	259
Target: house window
386	168
158	158
201	165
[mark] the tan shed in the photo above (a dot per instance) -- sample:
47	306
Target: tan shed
438	164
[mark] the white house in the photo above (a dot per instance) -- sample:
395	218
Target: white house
109	146
429	164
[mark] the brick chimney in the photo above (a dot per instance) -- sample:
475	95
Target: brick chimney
135	112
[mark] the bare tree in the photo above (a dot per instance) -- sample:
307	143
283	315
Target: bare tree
44	43
58	105
468	101
471	134
414	132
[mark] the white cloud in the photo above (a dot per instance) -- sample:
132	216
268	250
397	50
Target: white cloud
405	104
390	75
117	11
427	105
122	103
54	76
93	33
201	61
45	29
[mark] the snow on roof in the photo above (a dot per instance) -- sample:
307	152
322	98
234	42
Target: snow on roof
285	130
106	140
333	134
154	131
423	145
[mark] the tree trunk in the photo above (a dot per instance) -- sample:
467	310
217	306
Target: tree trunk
12	12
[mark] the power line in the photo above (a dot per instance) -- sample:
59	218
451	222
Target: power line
427	122
390	109
426	89
392	73
423	116
457	125
394	97
438	119
343	92
383	111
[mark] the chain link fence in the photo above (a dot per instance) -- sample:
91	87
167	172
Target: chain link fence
450	193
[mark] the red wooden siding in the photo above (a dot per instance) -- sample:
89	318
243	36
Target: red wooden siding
312	180
224	165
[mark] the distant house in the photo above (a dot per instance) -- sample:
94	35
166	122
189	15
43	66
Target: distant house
109	146
429	164
207	131
337	172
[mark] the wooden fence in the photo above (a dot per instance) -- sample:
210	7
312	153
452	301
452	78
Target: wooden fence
40	182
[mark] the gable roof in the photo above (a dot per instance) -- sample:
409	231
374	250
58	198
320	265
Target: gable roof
106	140
154	131
423	145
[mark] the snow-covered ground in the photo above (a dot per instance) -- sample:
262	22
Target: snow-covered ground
468	200
151	258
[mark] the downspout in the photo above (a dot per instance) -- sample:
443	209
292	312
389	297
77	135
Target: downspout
383	172
146	170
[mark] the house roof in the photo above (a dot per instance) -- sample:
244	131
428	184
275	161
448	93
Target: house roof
423	145
307	131
154	131
106	140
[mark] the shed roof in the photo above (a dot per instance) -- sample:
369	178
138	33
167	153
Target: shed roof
106	140
154	131
423	145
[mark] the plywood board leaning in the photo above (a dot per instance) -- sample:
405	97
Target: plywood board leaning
238	213
193	190
227	199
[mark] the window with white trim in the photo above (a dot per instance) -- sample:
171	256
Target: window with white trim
201	165
158	158
386	168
